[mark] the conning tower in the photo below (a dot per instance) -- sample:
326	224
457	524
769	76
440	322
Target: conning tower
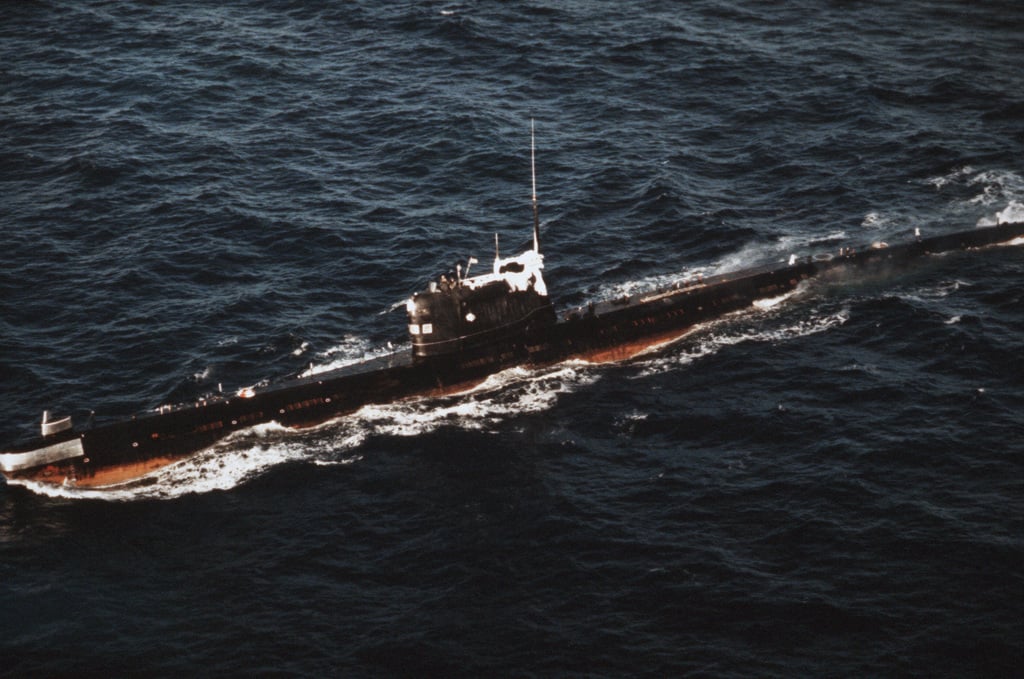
505	310
489	318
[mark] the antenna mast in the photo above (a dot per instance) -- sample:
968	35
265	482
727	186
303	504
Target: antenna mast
533	172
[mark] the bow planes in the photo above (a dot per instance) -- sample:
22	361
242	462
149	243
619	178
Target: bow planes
462	329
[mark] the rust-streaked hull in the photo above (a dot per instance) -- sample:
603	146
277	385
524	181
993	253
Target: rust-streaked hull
612	330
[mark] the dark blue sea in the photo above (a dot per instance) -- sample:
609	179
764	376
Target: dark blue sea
201	195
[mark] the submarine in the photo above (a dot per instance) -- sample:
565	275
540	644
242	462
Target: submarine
462	329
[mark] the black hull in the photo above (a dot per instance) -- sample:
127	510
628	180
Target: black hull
610	330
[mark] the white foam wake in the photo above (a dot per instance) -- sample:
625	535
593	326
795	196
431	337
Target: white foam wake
727	331
942	299
646	285
759	253
1014	212
512	392
250	453
350	350
999	192
752	254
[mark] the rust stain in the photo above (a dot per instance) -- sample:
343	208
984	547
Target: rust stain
628	350
85	477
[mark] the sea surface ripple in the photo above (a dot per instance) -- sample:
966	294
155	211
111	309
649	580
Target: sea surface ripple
205	194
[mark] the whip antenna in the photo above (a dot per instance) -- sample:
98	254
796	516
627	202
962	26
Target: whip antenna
533	172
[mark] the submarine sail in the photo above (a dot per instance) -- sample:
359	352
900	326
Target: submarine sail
492	318
462	329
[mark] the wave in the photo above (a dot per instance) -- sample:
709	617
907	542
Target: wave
248	454
646	284
956	176
753	254
943	299
1013	212
999	191
351	349
734	329
997	187
510	393
502	396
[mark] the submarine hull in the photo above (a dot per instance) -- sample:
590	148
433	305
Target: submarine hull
610	330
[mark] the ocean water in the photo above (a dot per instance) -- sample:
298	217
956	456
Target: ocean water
829	484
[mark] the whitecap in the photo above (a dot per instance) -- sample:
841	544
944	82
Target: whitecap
351	349
996	186
724	332
247	454
772	302
1013	212
956	175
